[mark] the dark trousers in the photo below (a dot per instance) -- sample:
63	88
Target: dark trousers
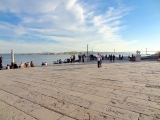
98	63
1	66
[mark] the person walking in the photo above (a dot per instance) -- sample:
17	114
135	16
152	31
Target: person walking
1	62
98	60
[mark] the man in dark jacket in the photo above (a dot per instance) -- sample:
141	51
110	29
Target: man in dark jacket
1	63
113	58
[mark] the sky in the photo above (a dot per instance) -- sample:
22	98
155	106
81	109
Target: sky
35	26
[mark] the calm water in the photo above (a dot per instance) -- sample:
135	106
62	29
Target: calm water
37	59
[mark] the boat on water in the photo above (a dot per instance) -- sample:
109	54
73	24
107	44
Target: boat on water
149	57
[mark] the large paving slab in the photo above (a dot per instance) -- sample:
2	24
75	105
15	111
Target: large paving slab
116	91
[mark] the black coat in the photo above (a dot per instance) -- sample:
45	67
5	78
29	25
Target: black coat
1	63
111	57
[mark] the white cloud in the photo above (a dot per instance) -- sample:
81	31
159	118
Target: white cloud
20	30
110	11
79	12
97	20
29	6
70	4
69	22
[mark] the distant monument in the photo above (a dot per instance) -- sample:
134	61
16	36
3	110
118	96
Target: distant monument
138	56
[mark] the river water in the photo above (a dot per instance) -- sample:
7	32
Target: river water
37	59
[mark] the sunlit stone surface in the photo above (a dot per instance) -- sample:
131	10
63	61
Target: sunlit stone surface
116	91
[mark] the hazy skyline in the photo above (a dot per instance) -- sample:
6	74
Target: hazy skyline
29	26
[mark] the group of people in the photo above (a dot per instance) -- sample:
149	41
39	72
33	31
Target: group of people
81	58
93	57
71	60
132	58
21	65
73	57
44	63
100	58
66	60
14	65
28	64
112	58
60	61
120	57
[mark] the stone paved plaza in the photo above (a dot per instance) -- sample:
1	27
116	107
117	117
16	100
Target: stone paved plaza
116	91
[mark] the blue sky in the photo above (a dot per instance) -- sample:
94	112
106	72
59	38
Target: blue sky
69	25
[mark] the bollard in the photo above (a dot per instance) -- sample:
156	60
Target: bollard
12	58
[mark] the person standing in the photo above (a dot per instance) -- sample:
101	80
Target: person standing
74	57
83	58
1	62
79	58
98	60
113	58
106	56
122	57
119	56
71	58
132	57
